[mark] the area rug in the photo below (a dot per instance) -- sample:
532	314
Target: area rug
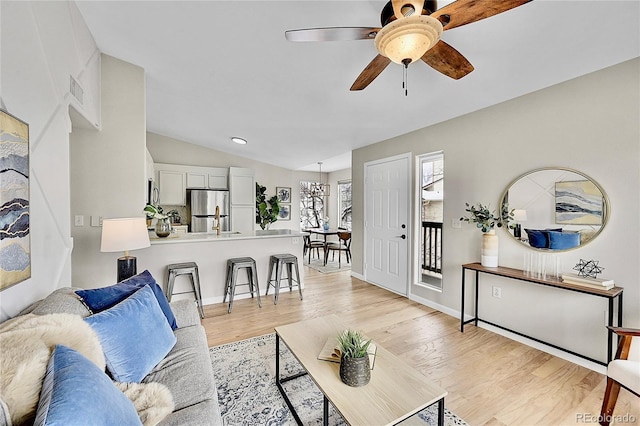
247	393
329	268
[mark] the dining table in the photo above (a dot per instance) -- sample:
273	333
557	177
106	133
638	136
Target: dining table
325	233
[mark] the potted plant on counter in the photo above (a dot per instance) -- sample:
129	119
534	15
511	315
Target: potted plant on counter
163	226
267	210
355	369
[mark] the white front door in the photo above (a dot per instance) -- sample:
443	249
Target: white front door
386	184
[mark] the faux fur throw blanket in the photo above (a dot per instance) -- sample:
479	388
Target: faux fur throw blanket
26	344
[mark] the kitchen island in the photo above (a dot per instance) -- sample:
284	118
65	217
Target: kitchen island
211	251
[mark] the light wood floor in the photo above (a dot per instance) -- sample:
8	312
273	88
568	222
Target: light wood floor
491	380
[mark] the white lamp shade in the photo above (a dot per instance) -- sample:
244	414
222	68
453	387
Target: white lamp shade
123	234
520	215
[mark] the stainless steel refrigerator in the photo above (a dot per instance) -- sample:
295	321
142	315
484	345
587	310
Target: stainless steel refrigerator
202	208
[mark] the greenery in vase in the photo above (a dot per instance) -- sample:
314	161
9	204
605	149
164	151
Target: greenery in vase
486	219
353	344
154	212
267	210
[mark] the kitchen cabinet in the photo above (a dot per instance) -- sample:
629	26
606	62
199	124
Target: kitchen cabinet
207	177
242	188
173	188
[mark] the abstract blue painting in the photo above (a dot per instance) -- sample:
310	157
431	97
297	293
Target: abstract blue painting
15	250
578	203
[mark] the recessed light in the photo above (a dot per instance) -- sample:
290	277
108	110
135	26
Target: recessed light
239	141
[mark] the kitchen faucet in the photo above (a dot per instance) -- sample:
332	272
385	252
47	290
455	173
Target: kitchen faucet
217	226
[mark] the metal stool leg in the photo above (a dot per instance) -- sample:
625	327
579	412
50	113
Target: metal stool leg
227	282
232	290
254	281
277	283
298	277
170	281
195	281
290	276
271	260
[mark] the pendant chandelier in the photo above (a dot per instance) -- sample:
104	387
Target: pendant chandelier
319	189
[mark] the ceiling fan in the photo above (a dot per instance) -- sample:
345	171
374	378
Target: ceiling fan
411	30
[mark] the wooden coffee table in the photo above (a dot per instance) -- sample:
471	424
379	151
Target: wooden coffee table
396	390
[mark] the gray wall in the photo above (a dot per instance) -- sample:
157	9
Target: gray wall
108	169
590	124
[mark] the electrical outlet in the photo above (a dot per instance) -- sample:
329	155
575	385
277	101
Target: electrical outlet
295	241
96	221
79	220
496	292
456	223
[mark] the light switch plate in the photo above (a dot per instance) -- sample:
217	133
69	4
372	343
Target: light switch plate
79	220
455	223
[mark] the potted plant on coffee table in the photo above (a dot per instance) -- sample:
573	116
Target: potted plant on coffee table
355	369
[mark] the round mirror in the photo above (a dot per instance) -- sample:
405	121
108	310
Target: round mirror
555	209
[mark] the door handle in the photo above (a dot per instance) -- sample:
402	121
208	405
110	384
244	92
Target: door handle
401	236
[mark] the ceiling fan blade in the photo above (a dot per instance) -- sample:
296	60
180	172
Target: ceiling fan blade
447	60
332	34
369	74
462	12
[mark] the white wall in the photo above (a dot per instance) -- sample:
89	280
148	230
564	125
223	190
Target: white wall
108	170
590	124
43	43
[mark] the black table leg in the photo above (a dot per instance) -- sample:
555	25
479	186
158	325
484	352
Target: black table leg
476	308
325	410
441	412
462	303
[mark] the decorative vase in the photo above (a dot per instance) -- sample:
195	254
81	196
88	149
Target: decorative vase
355	371
326	226
489	249
163	227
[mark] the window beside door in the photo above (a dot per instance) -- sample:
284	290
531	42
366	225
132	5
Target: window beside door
431	217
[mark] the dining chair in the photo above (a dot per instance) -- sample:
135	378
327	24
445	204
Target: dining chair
623	371
343	244
310	244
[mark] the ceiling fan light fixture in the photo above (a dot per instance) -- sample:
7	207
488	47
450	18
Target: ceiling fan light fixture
408	38
239	141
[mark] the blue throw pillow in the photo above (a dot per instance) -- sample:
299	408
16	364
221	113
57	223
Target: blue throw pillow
563	240
99	299
537	238
134	335
76	392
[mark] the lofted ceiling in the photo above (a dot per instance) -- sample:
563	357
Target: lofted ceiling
216	69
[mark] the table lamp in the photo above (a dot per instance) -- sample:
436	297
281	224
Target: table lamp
519	215
124	234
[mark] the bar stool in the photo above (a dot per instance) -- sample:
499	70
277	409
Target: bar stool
281	260
185	268
233	265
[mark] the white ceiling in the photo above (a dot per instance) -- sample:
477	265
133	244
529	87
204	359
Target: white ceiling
216	69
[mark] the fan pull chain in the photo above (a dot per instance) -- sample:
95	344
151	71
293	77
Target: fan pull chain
405	76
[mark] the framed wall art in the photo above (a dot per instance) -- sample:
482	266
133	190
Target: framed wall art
15	245
578	203
284	194
285	212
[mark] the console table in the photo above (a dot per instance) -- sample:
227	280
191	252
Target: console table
517	274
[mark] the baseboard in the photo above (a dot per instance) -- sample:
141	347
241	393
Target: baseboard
358	276
525	341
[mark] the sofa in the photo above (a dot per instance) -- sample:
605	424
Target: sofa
86	355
